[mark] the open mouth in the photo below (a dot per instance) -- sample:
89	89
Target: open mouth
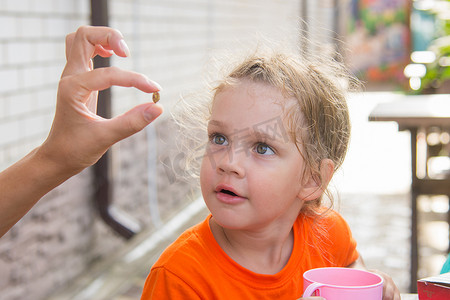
228	192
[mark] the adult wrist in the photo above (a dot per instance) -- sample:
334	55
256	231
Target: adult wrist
53	165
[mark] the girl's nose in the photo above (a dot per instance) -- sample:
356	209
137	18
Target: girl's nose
231	162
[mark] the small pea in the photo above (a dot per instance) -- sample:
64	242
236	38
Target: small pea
156	97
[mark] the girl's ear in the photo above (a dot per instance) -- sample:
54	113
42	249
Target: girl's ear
315	185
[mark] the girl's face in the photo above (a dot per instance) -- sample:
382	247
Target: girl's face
251	175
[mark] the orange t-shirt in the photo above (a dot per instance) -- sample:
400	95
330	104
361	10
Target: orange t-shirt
195	267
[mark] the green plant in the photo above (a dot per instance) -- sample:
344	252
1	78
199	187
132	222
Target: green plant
438	72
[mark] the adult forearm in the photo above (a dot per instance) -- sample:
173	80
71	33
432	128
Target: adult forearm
24	183
78	137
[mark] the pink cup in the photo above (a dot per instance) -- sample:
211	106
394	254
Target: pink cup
342	284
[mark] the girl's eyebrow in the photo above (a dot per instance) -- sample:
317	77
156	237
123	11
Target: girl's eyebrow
217	124
263	135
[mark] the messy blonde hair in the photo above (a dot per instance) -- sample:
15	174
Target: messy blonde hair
318	122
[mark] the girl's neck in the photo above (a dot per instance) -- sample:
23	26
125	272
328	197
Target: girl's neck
264	252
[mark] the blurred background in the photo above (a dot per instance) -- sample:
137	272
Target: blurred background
96	236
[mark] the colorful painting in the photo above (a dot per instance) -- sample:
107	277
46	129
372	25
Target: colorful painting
379	39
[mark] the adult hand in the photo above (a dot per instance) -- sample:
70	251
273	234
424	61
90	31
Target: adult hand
79	137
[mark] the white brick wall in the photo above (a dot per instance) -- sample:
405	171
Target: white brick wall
32	57
170	42
31	61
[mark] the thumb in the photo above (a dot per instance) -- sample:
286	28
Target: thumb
131	121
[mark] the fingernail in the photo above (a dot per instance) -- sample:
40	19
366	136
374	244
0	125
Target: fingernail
149	115
124	47
155	84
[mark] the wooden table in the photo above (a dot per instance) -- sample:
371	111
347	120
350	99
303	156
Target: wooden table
419	115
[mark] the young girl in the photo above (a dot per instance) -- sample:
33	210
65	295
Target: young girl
278	129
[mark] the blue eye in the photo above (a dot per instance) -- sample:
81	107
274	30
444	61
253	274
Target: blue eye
264	149
219	139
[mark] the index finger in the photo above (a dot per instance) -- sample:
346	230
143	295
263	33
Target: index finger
81	46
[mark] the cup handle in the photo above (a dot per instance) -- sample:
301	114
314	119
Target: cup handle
312	288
